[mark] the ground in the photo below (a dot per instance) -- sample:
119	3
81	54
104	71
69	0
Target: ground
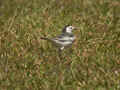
29	63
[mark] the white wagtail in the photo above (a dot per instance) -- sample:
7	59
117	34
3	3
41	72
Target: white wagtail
66	38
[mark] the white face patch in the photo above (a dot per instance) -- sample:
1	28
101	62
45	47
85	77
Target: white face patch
69	29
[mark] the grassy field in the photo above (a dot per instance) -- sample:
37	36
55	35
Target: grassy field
28	63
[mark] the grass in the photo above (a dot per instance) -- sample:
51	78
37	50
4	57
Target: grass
29	63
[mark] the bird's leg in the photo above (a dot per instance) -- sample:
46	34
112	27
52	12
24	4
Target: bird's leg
60	53
61	48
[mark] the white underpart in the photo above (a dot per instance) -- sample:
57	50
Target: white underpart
68	41
63	43
67	38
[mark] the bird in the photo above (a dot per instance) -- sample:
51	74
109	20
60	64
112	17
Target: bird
65	39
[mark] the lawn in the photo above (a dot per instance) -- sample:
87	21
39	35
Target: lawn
29	63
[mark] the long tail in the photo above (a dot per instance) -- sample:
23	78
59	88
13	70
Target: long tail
44	38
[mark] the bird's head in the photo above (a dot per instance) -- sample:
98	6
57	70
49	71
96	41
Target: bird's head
68	29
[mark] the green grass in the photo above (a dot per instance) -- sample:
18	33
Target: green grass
29	63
